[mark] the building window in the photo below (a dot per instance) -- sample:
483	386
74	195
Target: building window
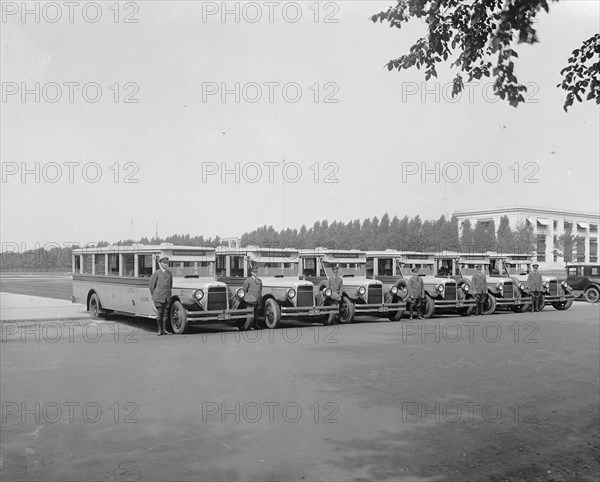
593	228
541	247
580	250
555	224
568	227
593	251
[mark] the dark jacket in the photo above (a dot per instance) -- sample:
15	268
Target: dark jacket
253	287
479	283
335	284
534	281
161	284
416	288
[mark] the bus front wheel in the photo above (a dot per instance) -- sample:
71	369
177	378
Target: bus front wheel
178	318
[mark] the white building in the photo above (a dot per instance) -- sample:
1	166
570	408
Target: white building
548	225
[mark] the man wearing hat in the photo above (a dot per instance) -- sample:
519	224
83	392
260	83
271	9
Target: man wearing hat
335	282
534	282
161	284
479	282
416	292
253	286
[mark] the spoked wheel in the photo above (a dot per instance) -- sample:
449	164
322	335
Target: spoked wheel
347	310
179	321
272	313
592	295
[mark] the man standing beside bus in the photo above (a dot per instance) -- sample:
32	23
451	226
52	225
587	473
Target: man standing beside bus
416	292
479	282
253	286
161	284
335	283
534	282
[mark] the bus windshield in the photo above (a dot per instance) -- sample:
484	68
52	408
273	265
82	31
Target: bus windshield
469	269
277	269
347	269
200	269
518	268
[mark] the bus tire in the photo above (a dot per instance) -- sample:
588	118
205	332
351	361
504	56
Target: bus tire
272	313
396	315
427	308
490	305
95	307
347	311
178	318
562	305
542	304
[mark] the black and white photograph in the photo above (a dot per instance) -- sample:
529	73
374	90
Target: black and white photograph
300	240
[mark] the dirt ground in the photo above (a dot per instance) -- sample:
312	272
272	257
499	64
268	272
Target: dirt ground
504	397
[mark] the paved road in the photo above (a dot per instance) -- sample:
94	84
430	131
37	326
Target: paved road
50	285
514	397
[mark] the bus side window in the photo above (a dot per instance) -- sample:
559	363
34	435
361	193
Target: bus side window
113	264
145	265
128	264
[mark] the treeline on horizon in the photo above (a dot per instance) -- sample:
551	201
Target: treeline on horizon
408	234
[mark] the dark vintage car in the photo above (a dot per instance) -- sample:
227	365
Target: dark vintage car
584	279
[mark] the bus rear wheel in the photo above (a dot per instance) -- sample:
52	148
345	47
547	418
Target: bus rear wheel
95	307
179	321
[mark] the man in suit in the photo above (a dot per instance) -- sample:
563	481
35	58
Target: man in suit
534	283
335	283
416	292
161	284
253	286
479	283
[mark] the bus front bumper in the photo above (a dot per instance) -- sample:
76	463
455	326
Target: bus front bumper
218	315
379	308
287	311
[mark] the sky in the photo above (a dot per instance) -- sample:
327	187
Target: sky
210	126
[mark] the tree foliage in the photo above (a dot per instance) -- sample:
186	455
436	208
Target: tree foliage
481	34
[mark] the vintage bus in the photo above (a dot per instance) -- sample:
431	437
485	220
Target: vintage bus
441	294
284	293
504	290
558	294
360	294
116	279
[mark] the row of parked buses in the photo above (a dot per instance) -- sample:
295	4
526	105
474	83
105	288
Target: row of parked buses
207	283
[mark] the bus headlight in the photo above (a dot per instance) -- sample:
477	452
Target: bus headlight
466	287
198	294
240	293
394	290
361	290
500	287
291	293
546	285
327	292
440	288
564	284
522	286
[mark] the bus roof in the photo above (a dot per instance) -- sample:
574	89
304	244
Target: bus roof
147	249
335	255
262	255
